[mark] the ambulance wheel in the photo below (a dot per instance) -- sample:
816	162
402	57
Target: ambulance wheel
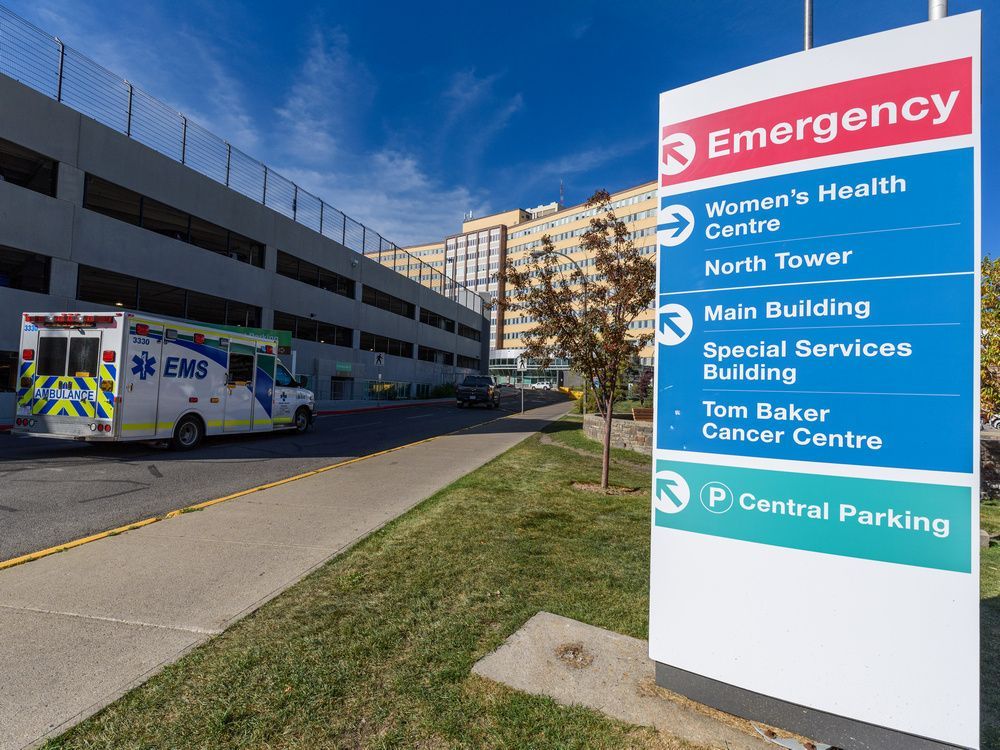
188	434
301	420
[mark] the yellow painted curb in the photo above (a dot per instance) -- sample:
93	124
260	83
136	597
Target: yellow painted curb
208	503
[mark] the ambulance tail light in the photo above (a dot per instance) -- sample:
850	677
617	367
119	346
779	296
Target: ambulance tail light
141	329
28	355
107	386
108	355
69	320
26	382
199	338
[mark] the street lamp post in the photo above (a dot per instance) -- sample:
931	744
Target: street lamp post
538	254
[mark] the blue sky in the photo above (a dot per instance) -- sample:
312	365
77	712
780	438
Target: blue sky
407	115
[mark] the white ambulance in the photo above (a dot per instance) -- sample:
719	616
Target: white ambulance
133	376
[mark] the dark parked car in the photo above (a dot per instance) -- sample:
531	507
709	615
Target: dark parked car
478	389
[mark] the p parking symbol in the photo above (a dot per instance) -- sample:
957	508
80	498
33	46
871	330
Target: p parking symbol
716	497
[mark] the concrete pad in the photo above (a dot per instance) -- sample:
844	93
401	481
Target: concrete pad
579	664
136	577
38	694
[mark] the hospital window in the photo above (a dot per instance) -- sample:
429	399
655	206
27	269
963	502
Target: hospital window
310	273
385	301
429	354
371	342
438	321
120	290
23	270
27	169
161	299
469	332
8	371
129	206
311	329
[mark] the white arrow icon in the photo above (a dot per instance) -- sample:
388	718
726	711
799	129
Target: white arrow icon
678	153
674	225
673	325
672	493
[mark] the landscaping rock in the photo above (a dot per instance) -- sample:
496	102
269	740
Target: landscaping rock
625	433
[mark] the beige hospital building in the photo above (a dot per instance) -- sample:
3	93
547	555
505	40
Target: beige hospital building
473	256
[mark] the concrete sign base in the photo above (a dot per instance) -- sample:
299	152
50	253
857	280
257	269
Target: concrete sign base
839	731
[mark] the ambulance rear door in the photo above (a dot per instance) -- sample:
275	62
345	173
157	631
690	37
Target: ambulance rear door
64	398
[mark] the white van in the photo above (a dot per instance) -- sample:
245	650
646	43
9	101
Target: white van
133	376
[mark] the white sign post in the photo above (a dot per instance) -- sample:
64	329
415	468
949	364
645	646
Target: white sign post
814	558
522	367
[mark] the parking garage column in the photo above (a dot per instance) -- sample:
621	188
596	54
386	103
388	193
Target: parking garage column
62	284
271	266
69	184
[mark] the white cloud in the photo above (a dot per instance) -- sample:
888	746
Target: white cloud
184	70
387	188
330	92
227	115
394	195
465	92
474	114
579	162
313	136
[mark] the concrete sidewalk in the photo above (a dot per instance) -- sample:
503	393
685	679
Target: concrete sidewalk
80	628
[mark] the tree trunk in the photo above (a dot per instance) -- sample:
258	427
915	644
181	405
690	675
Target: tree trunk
606	457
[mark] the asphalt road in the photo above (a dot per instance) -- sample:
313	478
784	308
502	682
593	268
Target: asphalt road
55	491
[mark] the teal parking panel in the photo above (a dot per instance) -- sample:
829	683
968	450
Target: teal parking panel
909	523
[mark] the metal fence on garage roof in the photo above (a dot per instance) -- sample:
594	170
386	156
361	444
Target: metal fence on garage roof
42	62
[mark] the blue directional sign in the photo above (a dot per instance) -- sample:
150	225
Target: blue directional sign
787	359
824	316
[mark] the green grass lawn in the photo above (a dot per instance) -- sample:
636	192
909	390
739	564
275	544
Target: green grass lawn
374	650
990	628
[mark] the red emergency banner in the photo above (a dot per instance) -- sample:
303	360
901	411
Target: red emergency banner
905	106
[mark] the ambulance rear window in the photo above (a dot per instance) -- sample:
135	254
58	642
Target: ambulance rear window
83	357
51	356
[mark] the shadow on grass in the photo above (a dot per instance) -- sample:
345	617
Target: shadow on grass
989	672
562	425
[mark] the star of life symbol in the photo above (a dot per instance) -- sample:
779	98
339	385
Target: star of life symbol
143	365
